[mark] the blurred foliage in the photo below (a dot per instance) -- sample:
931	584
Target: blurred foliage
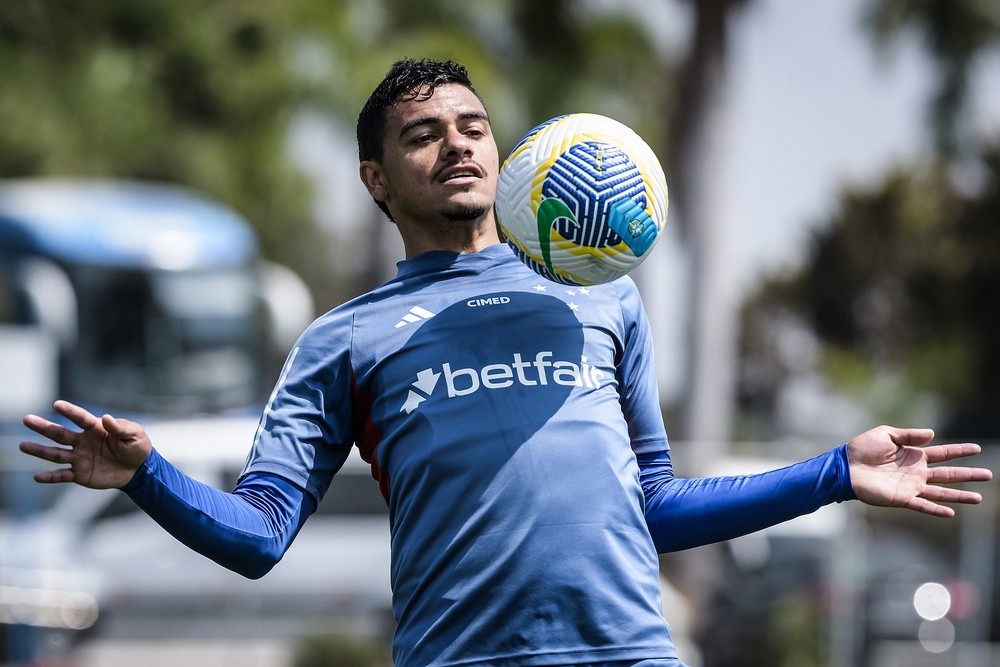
903	282
565	60
899	289
204	93
772	612
340	650
956	35
196	93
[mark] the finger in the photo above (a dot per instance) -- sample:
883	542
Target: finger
913	437
925	506
50	430
944	494
58	476
114	426
938	453
958	474
76	414
47	453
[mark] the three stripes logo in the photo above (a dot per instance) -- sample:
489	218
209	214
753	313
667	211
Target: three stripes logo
416	314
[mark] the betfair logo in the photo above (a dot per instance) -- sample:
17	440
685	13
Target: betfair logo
540	371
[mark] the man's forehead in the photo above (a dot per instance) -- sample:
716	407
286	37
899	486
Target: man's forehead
446	101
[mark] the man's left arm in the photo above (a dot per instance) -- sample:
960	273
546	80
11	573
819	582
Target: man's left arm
885	466
686	513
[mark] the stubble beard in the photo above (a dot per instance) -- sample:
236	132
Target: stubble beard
464	212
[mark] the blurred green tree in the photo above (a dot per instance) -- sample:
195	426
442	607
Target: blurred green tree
339	649
204	93
956	35
900	286
903	282
195	93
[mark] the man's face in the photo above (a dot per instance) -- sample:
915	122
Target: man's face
439	162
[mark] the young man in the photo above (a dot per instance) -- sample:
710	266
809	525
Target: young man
513	427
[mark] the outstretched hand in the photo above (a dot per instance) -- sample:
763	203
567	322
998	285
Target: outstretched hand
104	454
890	467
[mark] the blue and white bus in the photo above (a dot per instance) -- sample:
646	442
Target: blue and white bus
144	300
155	296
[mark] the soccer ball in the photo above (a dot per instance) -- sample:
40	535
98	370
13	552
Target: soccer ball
582	199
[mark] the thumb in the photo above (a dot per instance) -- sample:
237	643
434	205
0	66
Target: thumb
113	426
122	429
130	446
911	437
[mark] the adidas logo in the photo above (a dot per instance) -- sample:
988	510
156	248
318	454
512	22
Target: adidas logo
416	314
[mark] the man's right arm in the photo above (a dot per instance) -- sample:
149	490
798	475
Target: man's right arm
247	530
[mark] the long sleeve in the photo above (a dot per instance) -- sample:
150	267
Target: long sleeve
685	513
247	530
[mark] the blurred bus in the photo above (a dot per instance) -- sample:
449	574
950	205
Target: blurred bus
147	300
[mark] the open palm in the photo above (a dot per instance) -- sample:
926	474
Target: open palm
104	454
891	467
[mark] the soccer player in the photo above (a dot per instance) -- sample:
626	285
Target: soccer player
513	426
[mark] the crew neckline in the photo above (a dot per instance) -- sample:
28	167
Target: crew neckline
442	259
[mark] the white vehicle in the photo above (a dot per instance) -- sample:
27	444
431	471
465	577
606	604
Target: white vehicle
93	559
153	302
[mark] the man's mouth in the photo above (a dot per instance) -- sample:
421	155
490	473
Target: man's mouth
460	172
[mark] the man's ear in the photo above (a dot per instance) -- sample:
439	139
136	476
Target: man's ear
374	179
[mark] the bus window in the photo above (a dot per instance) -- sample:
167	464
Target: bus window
169	342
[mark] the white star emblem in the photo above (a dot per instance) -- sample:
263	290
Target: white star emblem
584	291
571	292
539	288
573	306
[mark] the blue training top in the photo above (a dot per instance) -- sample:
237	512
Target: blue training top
514	427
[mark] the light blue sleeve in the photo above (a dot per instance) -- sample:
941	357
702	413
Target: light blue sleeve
247	531
307	428
636	374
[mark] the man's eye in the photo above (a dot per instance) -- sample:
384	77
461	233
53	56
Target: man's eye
423	138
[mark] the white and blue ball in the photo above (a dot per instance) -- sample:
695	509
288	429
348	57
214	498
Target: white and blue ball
582	199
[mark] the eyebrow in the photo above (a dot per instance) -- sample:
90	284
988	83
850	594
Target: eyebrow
433	120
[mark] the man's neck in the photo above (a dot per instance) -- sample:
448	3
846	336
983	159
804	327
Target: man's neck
456	237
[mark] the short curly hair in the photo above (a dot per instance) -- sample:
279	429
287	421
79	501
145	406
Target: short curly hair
406	80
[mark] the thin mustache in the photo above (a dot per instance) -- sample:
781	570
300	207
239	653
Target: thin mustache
456	163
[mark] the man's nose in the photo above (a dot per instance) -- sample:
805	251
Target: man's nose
456	143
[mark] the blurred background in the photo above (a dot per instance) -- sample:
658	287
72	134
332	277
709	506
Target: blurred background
832	262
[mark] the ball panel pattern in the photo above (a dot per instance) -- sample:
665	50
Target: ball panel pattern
590	177
581	199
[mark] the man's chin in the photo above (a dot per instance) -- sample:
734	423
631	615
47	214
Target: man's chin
465	212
